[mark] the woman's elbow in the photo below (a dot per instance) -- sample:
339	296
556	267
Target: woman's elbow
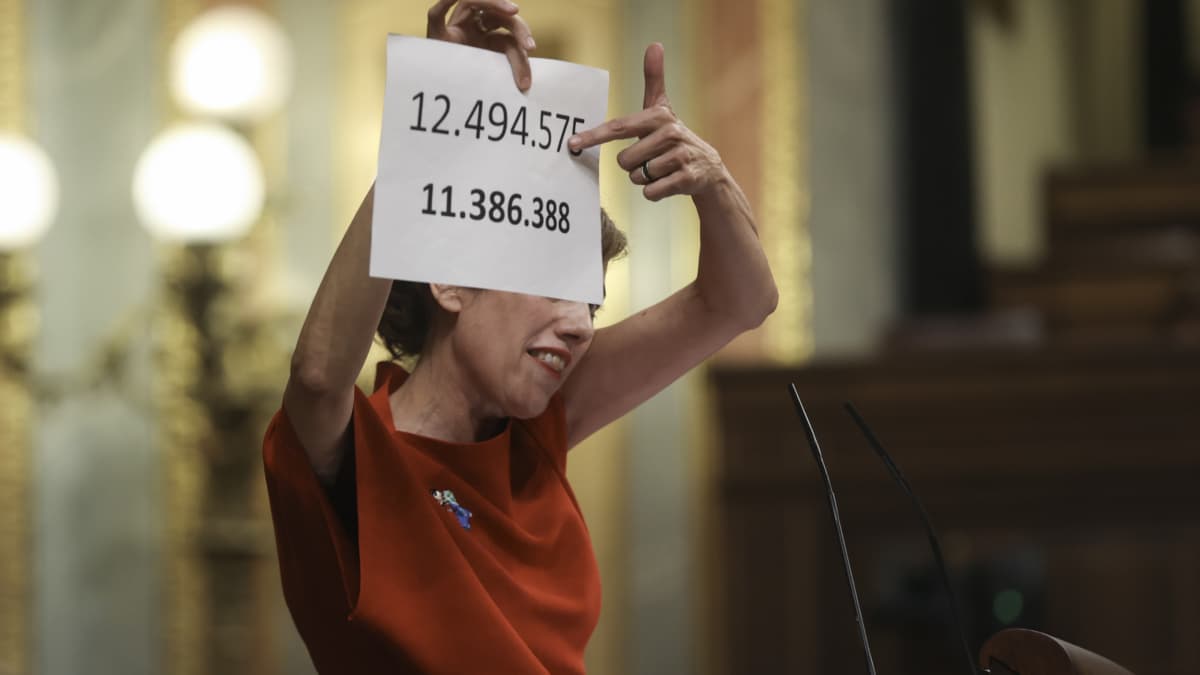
309	375
767	302
754	310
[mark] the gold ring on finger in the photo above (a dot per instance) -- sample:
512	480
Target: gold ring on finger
479	13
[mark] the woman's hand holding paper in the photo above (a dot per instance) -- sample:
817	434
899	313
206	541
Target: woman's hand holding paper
487	24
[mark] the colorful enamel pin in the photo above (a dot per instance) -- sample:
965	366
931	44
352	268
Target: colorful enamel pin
446	498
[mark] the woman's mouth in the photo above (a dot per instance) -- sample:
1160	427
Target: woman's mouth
552	361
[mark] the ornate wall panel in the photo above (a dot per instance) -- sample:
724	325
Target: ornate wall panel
18	318
183	422
221	365
783	206
755	113
748	98
12	65
17	321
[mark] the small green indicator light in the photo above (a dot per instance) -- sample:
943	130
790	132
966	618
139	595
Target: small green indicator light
1007	606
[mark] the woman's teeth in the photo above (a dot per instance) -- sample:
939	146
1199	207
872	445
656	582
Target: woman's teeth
553	360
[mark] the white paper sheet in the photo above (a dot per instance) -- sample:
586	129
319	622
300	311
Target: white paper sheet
463	198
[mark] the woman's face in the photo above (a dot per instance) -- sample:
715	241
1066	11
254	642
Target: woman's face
519	349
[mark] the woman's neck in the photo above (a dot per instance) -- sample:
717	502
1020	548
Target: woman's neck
437	401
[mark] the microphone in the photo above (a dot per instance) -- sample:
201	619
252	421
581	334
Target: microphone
837	523
934	544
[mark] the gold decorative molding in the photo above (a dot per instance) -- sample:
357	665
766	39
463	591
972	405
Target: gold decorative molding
213	397
18	324
181	422
785	196
219	378
12	65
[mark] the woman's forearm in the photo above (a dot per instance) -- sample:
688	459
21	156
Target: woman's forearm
733	276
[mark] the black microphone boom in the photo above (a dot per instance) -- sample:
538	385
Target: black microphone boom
837	524
896	474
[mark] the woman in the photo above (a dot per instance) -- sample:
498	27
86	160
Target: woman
430	527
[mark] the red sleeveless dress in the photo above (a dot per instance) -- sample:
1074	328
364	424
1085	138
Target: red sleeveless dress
455	559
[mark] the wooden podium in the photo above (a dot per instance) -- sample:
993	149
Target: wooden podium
1018	651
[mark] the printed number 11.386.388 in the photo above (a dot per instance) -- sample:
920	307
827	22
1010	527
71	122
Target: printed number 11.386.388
500	207
551	130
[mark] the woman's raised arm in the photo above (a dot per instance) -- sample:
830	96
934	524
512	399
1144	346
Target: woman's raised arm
345	313
332	346
733	290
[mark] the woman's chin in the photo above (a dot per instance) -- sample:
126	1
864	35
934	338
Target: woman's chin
529	406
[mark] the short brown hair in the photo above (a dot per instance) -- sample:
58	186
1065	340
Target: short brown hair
404	325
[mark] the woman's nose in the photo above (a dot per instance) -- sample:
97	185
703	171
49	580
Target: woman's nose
576	322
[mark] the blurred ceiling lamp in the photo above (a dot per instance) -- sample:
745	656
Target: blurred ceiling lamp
233	62
28	192
198	183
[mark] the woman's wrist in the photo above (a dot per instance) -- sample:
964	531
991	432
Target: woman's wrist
716	190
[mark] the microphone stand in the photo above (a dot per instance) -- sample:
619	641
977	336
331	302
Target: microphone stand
837	523
897	476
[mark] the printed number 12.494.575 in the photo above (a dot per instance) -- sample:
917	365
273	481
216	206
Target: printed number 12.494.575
551	131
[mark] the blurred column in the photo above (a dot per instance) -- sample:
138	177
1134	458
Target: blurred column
940	271
1052	83
1101	85
735	75
852	174
95	492
660	628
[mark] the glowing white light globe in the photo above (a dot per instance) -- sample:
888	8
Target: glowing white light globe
28	192
198	182
232	62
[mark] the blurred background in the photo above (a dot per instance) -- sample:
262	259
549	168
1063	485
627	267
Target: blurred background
983	216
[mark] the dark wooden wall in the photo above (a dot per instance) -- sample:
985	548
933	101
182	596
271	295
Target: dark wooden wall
1071	478
1055	439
